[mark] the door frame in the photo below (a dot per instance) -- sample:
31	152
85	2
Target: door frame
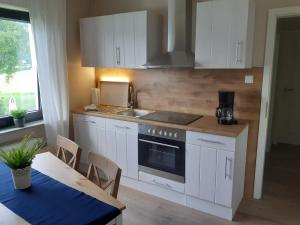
274	15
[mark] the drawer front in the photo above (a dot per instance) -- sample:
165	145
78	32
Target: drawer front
100	122
212	141
161	182
128	126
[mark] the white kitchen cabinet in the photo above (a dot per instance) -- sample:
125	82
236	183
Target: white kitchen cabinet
125	40
215	172
90	135
224	34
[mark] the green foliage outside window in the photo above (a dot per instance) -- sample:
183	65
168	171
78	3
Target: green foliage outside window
14	48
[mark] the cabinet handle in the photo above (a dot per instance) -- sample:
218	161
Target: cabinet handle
210	141
229	175
88	121
162	185
120	127
238	51
118	55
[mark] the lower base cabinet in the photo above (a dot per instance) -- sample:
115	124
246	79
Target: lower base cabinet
215	165
215	174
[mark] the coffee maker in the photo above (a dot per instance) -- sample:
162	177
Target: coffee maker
224	112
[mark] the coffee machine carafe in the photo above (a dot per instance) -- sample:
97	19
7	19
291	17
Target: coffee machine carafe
224	112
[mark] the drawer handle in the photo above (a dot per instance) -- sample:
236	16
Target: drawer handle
210	141
162	185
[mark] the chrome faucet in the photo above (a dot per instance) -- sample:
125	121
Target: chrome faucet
131	97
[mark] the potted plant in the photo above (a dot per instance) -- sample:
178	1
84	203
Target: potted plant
19	159
19	117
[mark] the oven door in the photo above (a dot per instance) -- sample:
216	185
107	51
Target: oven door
162	157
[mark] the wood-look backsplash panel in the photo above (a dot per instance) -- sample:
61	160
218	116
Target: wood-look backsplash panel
196	91
193	91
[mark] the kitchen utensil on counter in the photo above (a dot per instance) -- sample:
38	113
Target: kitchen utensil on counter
96	96
114	93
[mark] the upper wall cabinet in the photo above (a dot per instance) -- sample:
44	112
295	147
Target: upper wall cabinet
124	40
224	34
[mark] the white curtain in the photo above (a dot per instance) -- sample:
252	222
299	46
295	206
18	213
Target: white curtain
48	19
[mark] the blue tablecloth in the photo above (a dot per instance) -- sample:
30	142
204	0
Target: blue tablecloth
51	202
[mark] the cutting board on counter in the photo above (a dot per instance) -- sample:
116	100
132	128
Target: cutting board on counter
114	93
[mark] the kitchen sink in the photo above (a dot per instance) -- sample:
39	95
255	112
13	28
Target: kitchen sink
134	112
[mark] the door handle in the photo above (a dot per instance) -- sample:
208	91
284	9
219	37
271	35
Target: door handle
118	55
229	175
88	121
238	51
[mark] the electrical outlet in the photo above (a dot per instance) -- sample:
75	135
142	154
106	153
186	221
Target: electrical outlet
249	79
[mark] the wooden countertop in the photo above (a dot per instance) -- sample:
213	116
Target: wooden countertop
206	124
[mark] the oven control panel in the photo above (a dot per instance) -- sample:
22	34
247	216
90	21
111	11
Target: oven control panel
162	132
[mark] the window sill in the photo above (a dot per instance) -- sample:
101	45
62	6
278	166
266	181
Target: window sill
27	126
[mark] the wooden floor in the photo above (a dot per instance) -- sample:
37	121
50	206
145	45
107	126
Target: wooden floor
280	205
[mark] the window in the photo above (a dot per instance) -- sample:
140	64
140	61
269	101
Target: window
18	71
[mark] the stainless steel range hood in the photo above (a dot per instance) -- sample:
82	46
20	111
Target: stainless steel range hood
179	53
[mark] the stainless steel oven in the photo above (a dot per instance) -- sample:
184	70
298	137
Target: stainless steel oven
162	152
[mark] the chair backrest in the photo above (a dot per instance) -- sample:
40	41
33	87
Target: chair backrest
101	166
66	145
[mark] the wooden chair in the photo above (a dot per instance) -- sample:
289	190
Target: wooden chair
105	173
68	151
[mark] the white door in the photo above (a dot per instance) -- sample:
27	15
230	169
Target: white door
132	154
128	35
87	41
101	141
88	139
224	178
192	172
108	33
221	14
121	142
140	38
203	45
208	161
99	45
239	13
111	144
118	41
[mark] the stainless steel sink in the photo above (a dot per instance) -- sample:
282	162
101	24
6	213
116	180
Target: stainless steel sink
134	112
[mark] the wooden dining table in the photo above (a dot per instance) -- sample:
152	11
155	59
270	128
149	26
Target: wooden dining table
51	166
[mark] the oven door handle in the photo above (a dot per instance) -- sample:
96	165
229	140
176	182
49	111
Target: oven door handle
157	143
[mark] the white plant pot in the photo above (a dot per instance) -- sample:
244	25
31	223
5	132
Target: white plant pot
22	177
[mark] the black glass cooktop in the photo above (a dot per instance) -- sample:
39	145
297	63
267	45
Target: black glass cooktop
172	117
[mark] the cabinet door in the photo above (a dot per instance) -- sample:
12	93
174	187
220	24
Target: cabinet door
88	41
128	35
118	41
224	178
238	31
99	44
192	176
121	142
221	14
88	139
111	145
208	161
140	38
203	45
132	154
108	33
101	141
